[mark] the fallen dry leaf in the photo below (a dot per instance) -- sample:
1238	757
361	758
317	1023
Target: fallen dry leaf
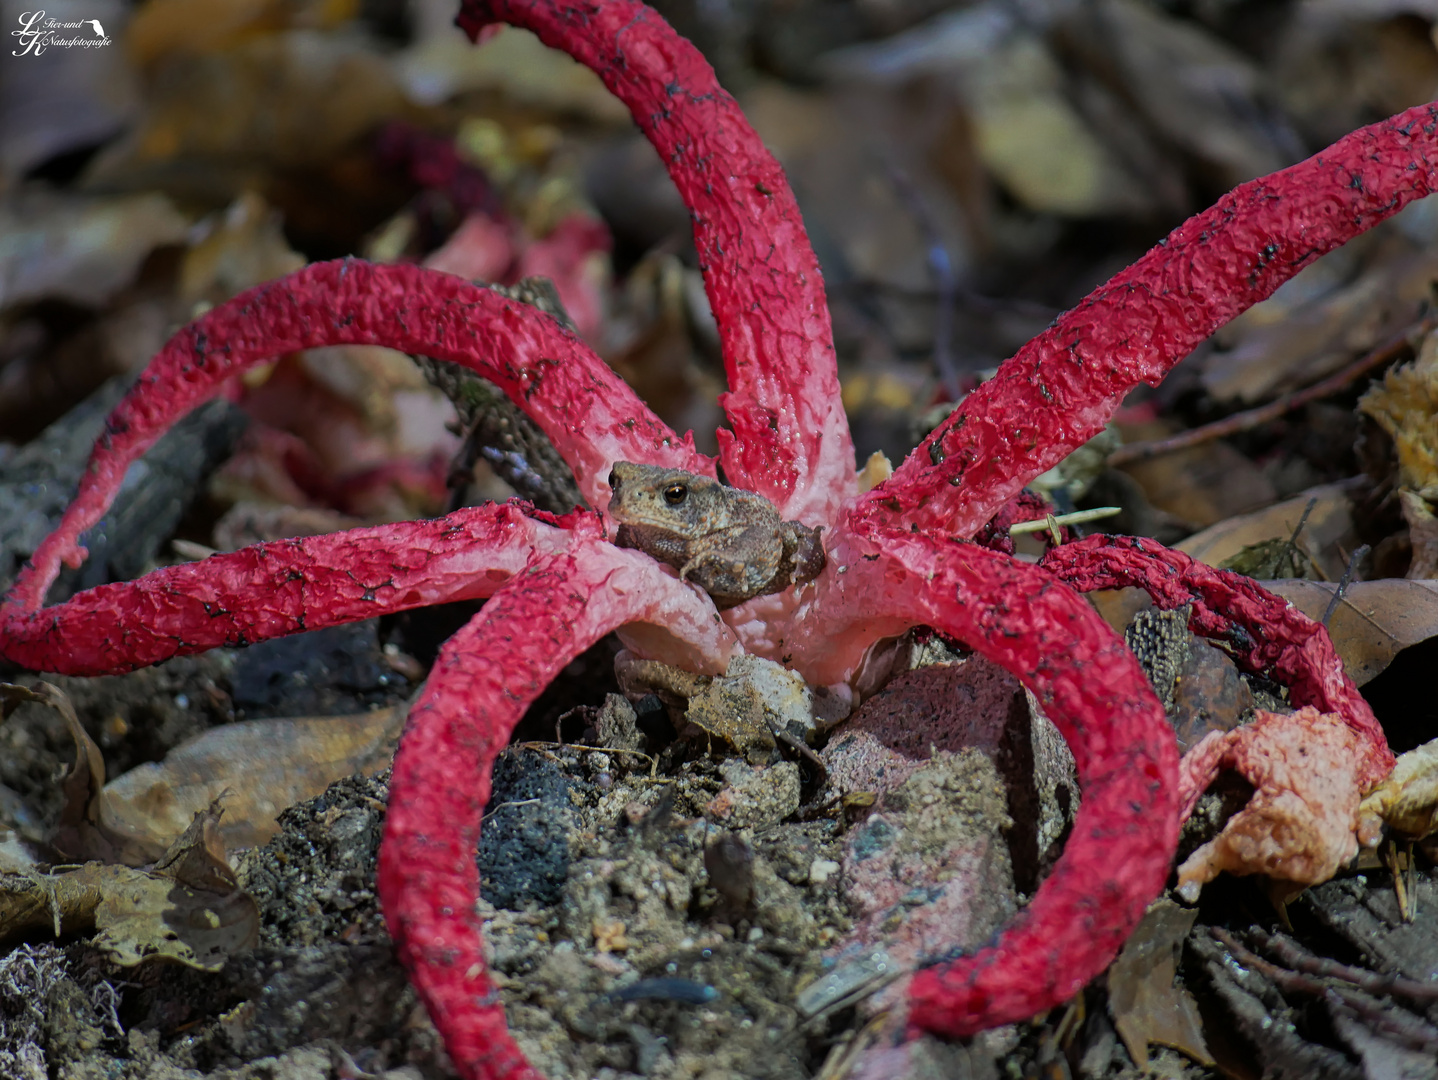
79	248
1407	802
1327	538
845	179
238	248
1403	405
1194	89
1201	485
1295	342
63	903
1271	559
1373	623
188	909
1147	1004
79	834
1299	825
260	766
514	63
166	27
293	99
1026	131
1338	62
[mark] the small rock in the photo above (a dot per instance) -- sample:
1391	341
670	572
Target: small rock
756	798
618	725
929	870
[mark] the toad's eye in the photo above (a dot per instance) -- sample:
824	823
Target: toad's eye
675	494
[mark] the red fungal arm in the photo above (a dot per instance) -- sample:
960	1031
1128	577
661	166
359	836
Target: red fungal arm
592	416
283	587
790	439
486	676
1263	632
1094	691
1064	385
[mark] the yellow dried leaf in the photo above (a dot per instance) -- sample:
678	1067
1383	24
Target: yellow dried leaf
188	909
1404	405
1407	802
163	28
244	246
259	766
80	834
1422	535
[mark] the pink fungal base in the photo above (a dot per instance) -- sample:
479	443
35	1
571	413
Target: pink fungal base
896	554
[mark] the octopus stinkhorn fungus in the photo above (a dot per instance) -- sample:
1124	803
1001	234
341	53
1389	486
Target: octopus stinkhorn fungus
897	556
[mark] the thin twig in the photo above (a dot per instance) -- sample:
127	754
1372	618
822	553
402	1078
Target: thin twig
1078	517
1407	1028
1293	540
1401	1026
1290	981
653	761
106	1000
1343	582
1298	958
497	807
1250	418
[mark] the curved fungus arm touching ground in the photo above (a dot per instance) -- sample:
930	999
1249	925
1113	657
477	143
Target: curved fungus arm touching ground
1094	691
284	587
1294	827
590	414
486	676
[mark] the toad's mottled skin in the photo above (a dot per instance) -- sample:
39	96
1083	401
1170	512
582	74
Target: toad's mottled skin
731	543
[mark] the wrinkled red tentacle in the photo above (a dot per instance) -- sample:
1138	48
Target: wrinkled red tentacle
1263	632
1094	691
281	587
1062	387
589	413
486	675
790	440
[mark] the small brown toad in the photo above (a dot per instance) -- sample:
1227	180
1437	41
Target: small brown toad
729	542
